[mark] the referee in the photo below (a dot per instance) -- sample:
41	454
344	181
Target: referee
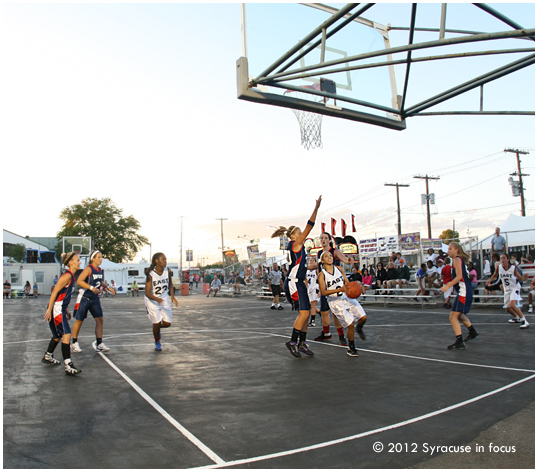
276	286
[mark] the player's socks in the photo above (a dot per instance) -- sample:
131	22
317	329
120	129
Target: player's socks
52	345
98	341
302	336
295	335
340	331
66	351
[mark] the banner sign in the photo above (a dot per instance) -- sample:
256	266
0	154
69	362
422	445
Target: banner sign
434	243
189	255
230	257
252	252
409	241
348	249
368	245
283	242
388	244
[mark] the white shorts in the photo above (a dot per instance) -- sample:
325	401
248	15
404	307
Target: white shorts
346	310
511	296
448	293
314	295
157	312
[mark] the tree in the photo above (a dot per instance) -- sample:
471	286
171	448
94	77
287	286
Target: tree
112	233
18	252
449	235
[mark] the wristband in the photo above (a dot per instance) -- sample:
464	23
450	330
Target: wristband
310	222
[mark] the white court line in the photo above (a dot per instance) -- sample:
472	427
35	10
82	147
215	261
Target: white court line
184	342
194	440
370	432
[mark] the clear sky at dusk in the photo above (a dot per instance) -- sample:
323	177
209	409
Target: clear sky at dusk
137	102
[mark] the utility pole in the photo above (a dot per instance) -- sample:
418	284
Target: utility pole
222	245
181	250
427	178
397	185
519	174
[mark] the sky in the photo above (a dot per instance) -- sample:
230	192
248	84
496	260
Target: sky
138	103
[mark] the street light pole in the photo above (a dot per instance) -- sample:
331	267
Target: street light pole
222	245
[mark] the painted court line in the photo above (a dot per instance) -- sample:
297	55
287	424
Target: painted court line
371	432
194	440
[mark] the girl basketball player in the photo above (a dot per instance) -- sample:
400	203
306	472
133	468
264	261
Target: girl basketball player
510	278
327	245
463	301
159	296
332	281
294	285
58	314
91	284
312	287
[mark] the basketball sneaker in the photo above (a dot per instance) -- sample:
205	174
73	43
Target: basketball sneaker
100	347
471	335
342	341
524	324
303	347
312	323
293	347
514	320
323	337
158	346
458	345
352	352
70	368
49	360
530	310
75	347
280	307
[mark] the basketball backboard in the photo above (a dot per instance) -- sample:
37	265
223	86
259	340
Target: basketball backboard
436	53
82	245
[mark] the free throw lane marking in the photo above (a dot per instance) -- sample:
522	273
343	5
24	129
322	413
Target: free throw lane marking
209	453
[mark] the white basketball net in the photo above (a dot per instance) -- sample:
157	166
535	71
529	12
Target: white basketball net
310	124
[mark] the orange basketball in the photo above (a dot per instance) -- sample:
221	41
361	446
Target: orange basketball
353	289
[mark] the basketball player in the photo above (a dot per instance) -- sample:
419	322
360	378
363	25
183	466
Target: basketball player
332	281
327	245
159	295
294	285
58	314
312	287
463	301
91	284
510	278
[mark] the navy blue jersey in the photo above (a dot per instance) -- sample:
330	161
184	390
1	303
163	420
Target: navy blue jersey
298	265
64	295
336	261
94	279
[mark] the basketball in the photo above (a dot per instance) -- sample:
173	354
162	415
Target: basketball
353	289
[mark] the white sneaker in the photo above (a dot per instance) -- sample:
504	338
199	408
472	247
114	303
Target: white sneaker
530	310
514	320
75	347
524	324
100	347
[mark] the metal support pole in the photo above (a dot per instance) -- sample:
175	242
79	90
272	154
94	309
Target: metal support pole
442	20
397	185
427	178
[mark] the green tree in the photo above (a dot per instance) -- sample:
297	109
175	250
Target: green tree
449	235
17	252
115	235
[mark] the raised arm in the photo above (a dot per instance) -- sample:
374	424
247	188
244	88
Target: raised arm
310	224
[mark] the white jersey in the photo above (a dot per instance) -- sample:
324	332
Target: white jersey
160	284
509	280
160	288
333	281
312	280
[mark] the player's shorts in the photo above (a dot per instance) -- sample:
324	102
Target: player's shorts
324	306
495	287
157	312
276	290
296	294
509	296
314	295
346	310
59	324
85	305
462	304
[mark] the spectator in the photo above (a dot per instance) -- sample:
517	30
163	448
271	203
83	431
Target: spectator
441	256
392	278
473	276
36	290
356	275
27	289
403	275
495	285
531	296
431	276
486	269
54	283
381	276
7	290
498	243
191	281
514	260
419	277
430	256
372	271
275	286
400	261
367	281
215	286
134	288
197	278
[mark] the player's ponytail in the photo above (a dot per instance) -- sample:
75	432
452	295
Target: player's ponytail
284	231
153	264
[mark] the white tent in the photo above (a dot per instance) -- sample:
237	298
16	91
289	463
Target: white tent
518	231
115	272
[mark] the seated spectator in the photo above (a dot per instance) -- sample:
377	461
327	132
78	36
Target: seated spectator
392	277
27	289
419	277
473	275
441	256
431	276
367	281
355	276
7	290
400	261
381	276
403	275
36	290
135	288
215	286
430	256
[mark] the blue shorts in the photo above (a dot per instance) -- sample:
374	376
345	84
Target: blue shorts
324	305
62	328
85	305
300	298
462	304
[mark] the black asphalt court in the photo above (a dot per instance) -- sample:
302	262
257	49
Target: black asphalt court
226	393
